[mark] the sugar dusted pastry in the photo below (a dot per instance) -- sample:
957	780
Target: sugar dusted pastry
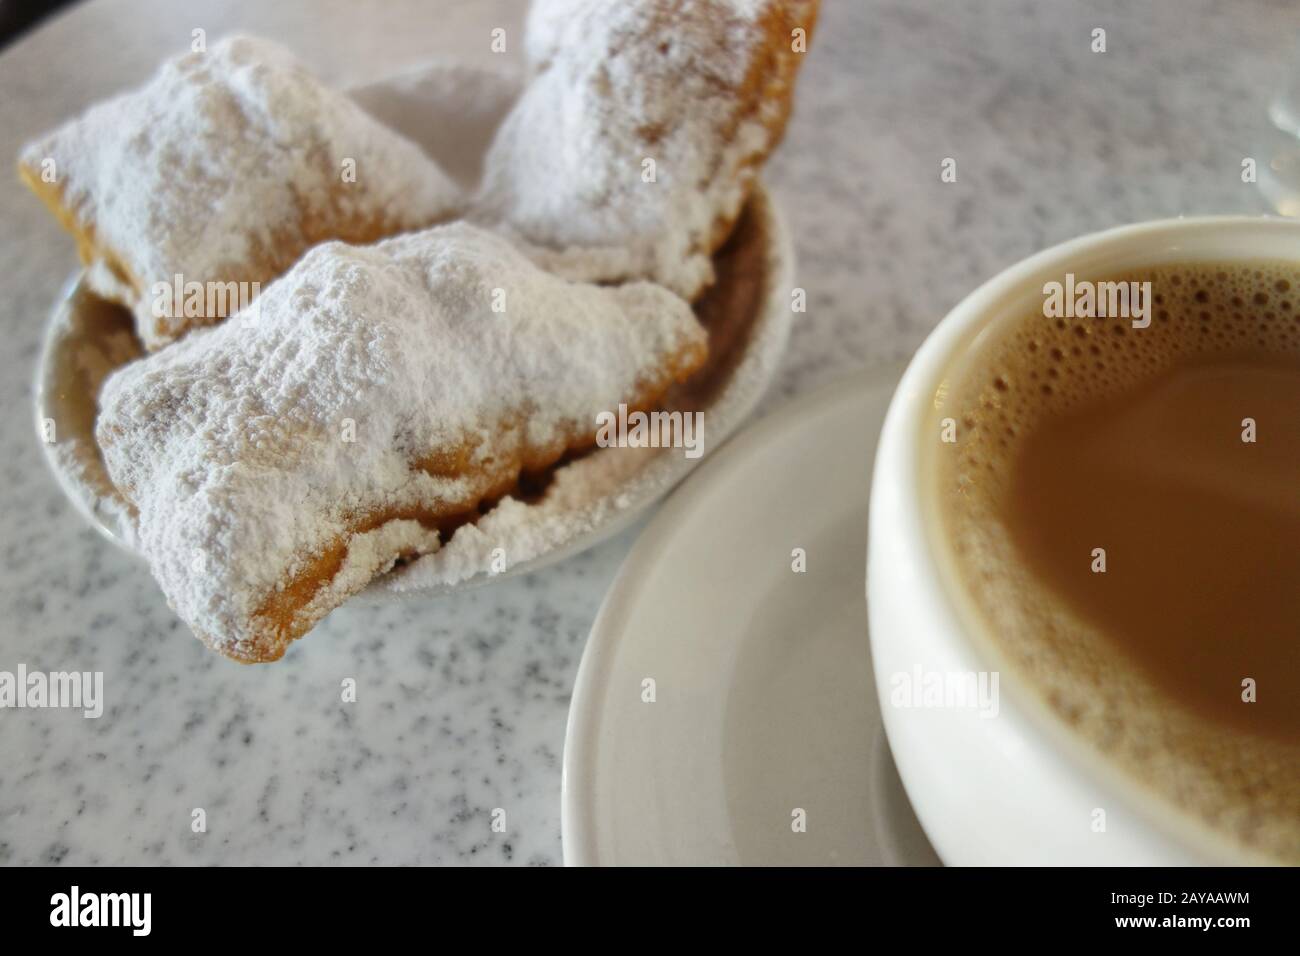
225	168
375	397
632	151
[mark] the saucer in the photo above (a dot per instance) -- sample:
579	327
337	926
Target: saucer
725	711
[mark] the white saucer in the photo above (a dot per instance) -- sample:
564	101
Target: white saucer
764	699
451	110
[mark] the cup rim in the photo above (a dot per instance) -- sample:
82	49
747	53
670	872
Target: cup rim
959	330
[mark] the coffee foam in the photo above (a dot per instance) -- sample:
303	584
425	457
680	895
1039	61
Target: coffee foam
1036	370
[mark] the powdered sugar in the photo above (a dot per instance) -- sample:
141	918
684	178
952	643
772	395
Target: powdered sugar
588	499
634	147
226	166
605	491
248	447
85	341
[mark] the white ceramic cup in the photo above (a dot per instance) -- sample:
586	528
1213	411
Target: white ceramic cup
1018	788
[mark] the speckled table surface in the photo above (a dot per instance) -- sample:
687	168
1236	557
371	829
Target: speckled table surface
462	701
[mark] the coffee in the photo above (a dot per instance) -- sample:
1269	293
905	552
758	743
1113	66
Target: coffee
1119	499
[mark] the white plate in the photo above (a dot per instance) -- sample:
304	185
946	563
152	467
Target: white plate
451	110
764	700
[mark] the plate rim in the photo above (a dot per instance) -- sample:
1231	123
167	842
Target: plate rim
578	839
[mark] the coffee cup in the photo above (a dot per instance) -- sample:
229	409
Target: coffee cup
1002	766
